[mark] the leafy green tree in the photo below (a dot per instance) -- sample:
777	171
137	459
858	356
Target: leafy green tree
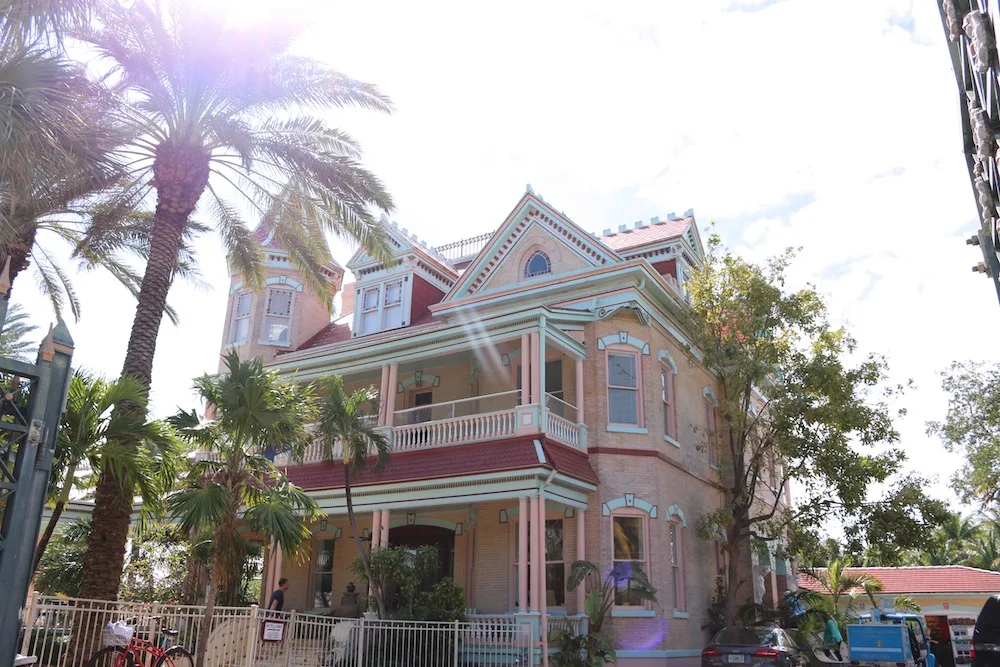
89	437
232	482
14	341
791	407
221	110
345	429
971	428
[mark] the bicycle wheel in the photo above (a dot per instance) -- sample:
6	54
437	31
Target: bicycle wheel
112	656
175	656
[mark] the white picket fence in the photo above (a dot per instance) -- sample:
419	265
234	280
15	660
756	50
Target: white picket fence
64	632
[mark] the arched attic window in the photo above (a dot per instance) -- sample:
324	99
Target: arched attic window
538	265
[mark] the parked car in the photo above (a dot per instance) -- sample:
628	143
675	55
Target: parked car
757	646
986	635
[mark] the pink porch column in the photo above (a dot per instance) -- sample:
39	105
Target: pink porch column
383	395
385	529
581	554
525	369
544	620
535	593
470	566
390	398
376	529
536	377
522	554
579	391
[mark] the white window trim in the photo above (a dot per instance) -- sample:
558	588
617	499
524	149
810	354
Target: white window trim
406	298
232	321
291	313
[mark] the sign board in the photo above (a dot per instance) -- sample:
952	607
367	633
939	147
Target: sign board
272	631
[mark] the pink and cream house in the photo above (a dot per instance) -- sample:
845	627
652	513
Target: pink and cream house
541	409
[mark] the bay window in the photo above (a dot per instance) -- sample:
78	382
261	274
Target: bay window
278	317
382	305
240	327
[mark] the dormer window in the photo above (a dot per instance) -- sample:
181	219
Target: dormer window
383	306
278	318
240	325
538	265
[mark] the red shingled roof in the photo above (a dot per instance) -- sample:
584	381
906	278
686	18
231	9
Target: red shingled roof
331	333
461	460
651	233
923	579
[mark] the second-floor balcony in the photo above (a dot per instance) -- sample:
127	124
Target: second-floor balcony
475	419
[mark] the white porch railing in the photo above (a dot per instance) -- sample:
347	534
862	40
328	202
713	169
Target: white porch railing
467	420
64	632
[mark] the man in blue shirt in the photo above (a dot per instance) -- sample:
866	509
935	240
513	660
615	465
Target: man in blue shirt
278	596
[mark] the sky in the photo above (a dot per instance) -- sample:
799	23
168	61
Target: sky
829	126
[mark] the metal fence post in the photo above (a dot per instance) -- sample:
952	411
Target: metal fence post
290	639
30	612
456	643
251	648
361	642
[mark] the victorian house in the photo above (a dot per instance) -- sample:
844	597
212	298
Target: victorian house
541	409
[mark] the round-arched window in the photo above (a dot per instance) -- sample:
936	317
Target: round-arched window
538	265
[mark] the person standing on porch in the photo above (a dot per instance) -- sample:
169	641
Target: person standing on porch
278	596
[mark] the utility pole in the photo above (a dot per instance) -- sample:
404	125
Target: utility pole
32	399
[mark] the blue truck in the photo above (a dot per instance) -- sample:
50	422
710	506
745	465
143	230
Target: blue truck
880	645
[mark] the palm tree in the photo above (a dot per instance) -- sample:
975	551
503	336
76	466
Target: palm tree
89	434
233	480
837	582
218	110
984	552
343	423
14	341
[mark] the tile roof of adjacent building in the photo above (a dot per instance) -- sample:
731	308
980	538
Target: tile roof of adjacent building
497	456
921	579
648	233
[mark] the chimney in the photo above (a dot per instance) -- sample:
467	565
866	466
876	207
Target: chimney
347	299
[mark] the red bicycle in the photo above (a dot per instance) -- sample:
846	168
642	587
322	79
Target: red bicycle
143	653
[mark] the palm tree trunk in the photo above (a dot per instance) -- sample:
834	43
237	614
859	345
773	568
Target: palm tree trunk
361	548
18	252
180	175
206	623
56	513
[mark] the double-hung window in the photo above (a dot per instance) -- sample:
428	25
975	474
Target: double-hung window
667	397
278	318
629	533
240	328
623	388
711	434
370	309
677	565
392	309
323	576
555	565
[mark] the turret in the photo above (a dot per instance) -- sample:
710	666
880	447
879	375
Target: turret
281	316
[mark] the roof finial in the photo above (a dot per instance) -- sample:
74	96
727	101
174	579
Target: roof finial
528	189
47	350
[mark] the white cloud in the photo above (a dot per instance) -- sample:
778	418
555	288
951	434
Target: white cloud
831	126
